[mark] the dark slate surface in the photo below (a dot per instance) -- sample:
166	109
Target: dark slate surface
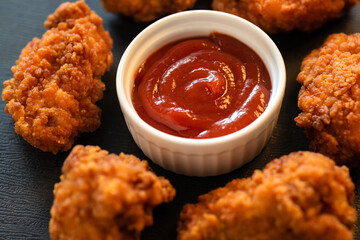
27	175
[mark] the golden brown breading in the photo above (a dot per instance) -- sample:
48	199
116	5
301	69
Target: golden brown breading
330	98
285	15
303	195
57	79
105	196
146	10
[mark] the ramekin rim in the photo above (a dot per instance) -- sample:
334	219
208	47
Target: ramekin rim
269	113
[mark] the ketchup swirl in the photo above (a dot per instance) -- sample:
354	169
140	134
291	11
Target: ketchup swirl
202	87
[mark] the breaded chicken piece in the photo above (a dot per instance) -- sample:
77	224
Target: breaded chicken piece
303	195
275	16
330	98
105	196
146	10
57	79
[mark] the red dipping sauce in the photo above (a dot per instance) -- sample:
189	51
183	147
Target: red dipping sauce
202	87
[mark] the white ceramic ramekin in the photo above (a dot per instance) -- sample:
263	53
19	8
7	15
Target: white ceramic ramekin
200	157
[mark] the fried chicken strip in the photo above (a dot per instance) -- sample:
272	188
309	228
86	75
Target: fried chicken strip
330	98
105	196
57	79
146	10
275	16
303	195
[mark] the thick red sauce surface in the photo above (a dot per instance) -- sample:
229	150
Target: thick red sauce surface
202	88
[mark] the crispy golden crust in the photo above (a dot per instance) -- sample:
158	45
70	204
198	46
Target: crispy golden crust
57	79
303	195
285	15
330	98
146	10
105	196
